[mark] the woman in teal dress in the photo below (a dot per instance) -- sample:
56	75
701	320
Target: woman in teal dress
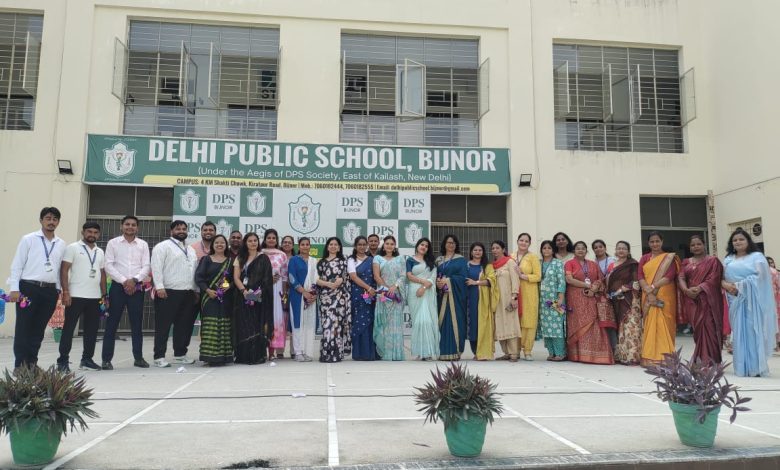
552	315
389	273
748	285
451	284
421	275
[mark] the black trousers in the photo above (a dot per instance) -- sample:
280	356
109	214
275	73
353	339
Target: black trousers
177	310
31	322
89	312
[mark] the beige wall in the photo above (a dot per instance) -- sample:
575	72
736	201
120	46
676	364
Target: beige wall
587	194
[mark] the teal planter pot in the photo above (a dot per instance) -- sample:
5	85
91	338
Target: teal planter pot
33	443
57	333
465	438
690	430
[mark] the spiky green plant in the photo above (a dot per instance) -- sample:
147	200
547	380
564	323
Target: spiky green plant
456	394
58	400
696	383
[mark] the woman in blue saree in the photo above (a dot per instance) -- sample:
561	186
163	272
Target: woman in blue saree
360	269
752	311
421	274
452	271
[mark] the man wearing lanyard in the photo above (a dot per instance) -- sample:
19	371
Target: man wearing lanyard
35	274
207	233
83	283
127	262
173	274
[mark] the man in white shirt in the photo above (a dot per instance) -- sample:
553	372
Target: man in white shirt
35	274
83	281
173	274
127	262
207	233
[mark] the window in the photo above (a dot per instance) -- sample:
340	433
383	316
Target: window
412	91
677	218
20	56
198	80
118	201
470	218
620	99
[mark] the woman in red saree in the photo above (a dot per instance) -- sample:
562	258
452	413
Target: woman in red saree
657	274
587	339
701	300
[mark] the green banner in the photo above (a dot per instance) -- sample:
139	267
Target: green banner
185	161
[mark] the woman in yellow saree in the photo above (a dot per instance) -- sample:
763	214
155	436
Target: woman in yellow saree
482	298
657	273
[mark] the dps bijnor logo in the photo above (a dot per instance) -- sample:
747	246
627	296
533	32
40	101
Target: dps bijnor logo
412	233
383	205
350	229
224	228
255	202
189	201
304	214
119	160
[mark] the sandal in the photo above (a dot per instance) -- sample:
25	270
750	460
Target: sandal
505	357
512	359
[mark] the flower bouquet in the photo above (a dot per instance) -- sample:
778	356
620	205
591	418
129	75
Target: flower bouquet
223	286
383	295
23	301
253	296
561	308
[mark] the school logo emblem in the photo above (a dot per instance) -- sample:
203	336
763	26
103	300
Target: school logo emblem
304	214
255	203
412	233
350	232
118	161
383	205
224	228
189	201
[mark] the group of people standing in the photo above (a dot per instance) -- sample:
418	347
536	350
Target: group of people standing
251	294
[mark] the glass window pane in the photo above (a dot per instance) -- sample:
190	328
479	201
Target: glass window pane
654	211
111	200
448	208
486	209
154	202
689	212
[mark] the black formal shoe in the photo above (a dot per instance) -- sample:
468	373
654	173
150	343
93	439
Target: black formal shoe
63	367
107	365
141	363
88	364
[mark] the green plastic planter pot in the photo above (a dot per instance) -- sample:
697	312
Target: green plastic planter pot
34	444
465	438
690	430
57	334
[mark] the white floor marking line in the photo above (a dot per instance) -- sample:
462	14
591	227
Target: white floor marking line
549	432
75	453
656	400
333	435
229	421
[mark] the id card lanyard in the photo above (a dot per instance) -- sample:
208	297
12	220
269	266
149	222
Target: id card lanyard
92	259
48	251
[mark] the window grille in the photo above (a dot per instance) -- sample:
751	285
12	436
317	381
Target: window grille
20	55
412	91
198	80
620	99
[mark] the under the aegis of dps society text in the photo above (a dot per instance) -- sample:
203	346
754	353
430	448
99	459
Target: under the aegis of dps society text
325	157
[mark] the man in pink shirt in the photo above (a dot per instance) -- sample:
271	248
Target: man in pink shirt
207	233
128	264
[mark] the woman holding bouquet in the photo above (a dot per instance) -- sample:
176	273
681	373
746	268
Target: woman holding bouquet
253	316
213	277
552	310
389	273
362	296
623	290
421	274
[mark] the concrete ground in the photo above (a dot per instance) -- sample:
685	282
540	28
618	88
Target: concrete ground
362	413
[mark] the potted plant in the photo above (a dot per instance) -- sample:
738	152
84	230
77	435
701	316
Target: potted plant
37	407
464	402
695	392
